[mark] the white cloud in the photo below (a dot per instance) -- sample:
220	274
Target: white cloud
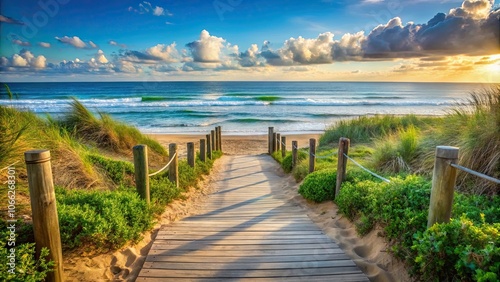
74	41
207	49
99	57
114	43
25	59
20	42
166	53
92	44
147	8
44	44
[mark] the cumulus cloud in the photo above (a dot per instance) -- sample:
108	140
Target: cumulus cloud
321	50
147	8
207	49
153	55
472	28
99	57
44	44
20	42
25	59
76	42
4	19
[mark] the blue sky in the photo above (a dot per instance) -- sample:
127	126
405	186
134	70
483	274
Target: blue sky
420	40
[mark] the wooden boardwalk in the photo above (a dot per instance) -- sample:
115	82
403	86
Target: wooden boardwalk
247	232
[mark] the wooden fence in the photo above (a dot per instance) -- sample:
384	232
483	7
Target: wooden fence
43	199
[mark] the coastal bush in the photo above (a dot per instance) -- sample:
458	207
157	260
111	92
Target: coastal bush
460	250
364	128
117	171
102	219
286	164
105	132
394	153
27	267
319	186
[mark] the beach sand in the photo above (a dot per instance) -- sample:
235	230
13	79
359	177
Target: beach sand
369	252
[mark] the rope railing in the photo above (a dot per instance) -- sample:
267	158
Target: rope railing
478	174
163	168
367	170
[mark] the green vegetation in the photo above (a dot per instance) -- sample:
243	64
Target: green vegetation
27	267
317	186
402	149
98	206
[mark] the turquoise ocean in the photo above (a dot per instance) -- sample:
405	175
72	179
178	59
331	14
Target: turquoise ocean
240	107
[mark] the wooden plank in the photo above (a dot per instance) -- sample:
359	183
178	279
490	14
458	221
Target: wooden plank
183	232
240	237
242	264
358	277
249	259
247	242
209	246
249	273
238	253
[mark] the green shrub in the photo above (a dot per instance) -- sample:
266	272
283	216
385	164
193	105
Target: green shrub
117	171
286	163
187	176
319	186
458	251
27	267
278	156
101	218
354	198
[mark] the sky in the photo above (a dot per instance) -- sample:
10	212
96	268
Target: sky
196	40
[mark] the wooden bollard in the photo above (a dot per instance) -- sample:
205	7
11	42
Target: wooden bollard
312	154
270	140
274	141
173	172
203	150
44	210
283	147
342	163
295	147
220	138
141	169
278	142
212	139
443	185
216	138
209	147
190	154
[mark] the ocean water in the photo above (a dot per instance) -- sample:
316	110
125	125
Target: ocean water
239	107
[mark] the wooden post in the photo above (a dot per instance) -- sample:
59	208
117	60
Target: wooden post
283	147
278	142
220	138
190	154
295	147
173	173
274	141
212	140
270	140
342	162
203	150
44	210
141	169
312	154
216	138
209	147
443	185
